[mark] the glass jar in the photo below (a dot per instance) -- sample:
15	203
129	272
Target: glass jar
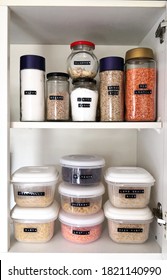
112	88
84	99
82	62
140	88
57	87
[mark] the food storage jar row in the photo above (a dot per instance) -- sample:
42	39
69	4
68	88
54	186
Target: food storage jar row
126	91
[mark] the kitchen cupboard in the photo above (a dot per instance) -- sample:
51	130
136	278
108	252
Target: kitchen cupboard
47	28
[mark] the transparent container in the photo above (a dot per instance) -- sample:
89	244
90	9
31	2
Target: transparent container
84	100
140	85
128	225
82	62
81	229
57	89
111	88
83	200
129	187
82	169
34	224
34	186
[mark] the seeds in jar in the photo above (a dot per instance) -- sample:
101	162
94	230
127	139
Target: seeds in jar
111	96
58	106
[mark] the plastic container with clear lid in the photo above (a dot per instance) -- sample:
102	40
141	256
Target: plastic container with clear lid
34	224
128	225
82	61
129	187
83	200
82	169
34	186
140	85
57	89
84	100
81	229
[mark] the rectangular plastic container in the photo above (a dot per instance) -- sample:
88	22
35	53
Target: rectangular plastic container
34	224
82	169
34	186
128	225
129	187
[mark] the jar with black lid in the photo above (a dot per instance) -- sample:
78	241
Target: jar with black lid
82	62
140	85
84	99
57	88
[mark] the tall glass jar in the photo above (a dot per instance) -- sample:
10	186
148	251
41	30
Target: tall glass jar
112	88
57	88
140	89
82	62
84	99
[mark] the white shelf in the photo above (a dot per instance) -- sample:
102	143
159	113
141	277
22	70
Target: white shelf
88	125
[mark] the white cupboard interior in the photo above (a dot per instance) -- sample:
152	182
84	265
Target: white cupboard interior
114	27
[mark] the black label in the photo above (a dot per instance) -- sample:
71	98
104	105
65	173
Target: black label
84	105
57	97
131	191
82	62
134	230
30	92
81	232
143	91
31	193
130	196
84	99
113	90
143	86
30	229
80	204
83	177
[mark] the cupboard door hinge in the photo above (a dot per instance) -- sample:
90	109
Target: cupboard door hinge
161	31
158	214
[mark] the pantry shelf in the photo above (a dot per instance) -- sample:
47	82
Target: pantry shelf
87	125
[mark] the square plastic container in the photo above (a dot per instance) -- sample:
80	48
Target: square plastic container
82	169
81	229
129	187
83	200
34	186
128	225
34	224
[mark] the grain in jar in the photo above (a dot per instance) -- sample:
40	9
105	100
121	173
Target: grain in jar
57	102
140	85
111	88
128	225
81	200
34	225
81	229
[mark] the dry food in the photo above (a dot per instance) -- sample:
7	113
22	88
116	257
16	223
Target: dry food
33	232
81	206
140	100
58	106
81	234
111	96
81	176
129	197
128	233
79	72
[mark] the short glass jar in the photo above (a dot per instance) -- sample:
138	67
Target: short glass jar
84	99
57	88
82	62
140	85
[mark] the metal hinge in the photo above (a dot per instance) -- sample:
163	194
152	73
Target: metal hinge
161	31
158	214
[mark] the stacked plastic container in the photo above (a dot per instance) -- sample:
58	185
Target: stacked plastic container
36	211
127	210
81	215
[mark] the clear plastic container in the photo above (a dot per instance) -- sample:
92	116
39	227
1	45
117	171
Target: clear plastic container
34	186
34	224
128	225
81	229
129	187
82	62
83	200
82	169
